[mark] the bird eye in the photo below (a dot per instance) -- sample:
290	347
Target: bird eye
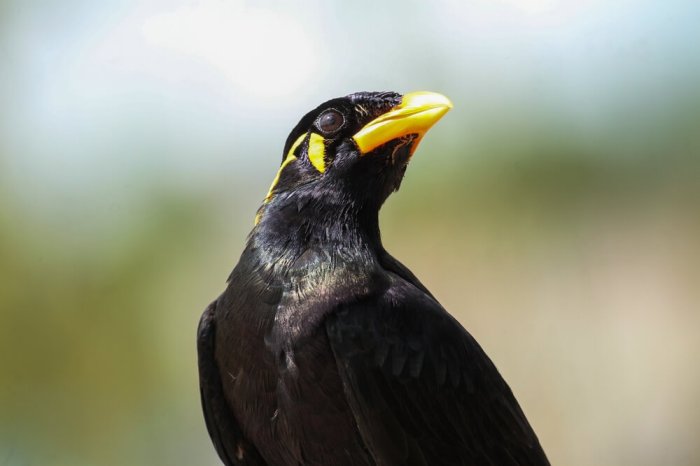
330	121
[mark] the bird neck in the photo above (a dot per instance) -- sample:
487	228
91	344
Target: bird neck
290	227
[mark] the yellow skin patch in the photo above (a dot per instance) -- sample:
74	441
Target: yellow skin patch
290	158
317	151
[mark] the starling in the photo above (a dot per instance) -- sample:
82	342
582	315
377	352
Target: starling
326	350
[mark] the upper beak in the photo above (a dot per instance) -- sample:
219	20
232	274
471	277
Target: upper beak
416	114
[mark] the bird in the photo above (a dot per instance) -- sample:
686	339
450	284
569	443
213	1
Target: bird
324	349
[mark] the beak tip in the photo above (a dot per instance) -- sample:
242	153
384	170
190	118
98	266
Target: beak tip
426	98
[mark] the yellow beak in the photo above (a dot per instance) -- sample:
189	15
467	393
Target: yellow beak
416	114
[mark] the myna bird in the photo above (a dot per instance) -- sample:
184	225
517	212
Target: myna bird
326	350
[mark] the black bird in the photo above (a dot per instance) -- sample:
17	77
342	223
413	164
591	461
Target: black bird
324	349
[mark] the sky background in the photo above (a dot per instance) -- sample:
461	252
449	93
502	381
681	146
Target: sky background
554	210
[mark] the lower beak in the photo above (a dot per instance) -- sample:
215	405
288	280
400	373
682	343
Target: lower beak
416	114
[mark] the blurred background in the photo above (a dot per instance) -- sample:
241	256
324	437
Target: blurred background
555	211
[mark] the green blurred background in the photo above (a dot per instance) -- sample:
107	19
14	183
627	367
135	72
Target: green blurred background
554	211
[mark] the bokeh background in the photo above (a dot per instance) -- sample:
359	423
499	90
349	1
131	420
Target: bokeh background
555	211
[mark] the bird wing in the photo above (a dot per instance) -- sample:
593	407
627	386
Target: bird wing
422	390
228	439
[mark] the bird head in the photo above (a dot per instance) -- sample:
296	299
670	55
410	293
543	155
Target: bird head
348	155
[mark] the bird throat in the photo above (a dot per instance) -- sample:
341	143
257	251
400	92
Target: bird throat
293	226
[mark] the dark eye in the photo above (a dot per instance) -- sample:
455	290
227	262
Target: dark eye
330	121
